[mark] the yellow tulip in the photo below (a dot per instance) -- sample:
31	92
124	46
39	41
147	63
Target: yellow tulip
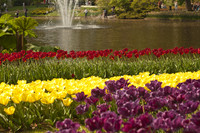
4	100
50	90
17	98
9	110
48	99
67	101
21	82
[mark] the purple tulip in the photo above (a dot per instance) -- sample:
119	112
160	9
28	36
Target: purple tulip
157	103
120	94
82	109
180	98
98	92
168	90
109	114
145	120
169	121
112	124
91	100
190	127
196	119
121	83
132	94
103	107
80	97
177	123
110	86
107	98
94	123
154	85
59	124
143	93
67	126
179	101
126	110
141	124
188	107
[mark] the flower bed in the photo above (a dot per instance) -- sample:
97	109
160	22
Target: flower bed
149	101
48	69
135	110
61	54
42	11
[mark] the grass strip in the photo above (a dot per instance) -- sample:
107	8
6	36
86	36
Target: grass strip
47	69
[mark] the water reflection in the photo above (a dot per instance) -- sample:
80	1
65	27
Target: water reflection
137	34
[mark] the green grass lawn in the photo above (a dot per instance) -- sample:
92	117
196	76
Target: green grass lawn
92	11
192	15
13	10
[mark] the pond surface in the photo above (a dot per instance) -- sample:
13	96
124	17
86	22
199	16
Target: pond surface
119	34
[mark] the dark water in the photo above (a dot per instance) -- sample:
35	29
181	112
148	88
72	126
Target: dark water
119	34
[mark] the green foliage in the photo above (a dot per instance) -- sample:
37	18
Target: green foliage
47	69
27	2
180	2
2	8
9	51
169	2
175	15
6	36
37	48
8	42
27	114
14	31
40	11
128	8
5	25
104	4
24	26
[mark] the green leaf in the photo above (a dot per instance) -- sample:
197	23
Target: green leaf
8	42
4	118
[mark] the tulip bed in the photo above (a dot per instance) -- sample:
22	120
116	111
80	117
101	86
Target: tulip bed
140	103
31	66
101	91
109	53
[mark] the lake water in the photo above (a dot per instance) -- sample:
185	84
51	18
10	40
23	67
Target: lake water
119	34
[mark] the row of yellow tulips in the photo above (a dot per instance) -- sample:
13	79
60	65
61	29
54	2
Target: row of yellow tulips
48	91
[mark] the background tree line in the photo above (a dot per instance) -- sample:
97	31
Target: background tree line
138	8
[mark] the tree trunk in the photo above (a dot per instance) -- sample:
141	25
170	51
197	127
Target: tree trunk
188	5
22	37
18	42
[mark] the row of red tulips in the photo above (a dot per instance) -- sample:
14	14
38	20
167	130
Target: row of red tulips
61	54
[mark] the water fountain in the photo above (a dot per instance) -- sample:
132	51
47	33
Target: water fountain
68	33
67	9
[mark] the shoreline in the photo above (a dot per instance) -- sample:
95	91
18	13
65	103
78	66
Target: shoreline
171	19
114	18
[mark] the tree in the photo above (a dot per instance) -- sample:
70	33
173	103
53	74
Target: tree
103	3
14	31
122	4
22	27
